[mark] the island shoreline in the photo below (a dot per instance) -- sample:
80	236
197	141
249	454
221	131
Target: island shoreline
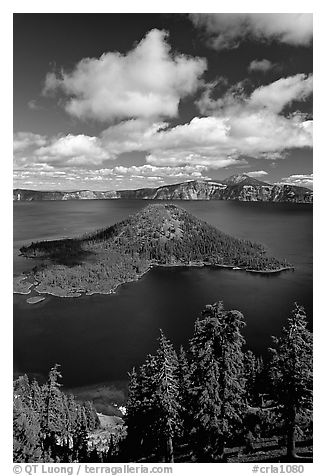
80	293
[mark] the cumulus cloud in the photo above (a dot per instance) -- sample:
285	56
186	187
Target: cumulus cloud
147	82
302	180
236	126
131	135
257	173
197	143
214	142
115	178
158	174
233	128
24	140
73	150
279	94
274	96
227	30
261	66
220	141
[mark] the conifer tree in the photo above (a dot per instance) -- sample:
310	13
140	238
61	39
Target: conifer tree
152	414
134	413
49	426
185	392
167	396
141	409
291	373
253	368
80	444
53	414
148	380
217	369
26	424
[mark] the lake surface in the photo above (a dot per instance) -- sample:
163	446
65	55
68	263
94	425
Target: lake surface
99	338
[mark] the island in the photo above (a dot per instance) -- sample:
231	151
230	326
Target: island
157	235
22	285
35	299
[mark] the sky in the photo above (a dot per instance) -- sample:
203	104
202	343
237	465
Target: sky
125	101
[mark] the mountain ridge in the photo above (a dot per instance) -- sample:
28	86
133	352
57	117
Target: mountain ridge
237	187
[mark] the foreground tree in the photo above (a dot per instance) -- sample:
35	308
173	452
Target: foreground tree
185	394
26	424
153	404
50	426
219	386
291	373
167	396
133	417
253	368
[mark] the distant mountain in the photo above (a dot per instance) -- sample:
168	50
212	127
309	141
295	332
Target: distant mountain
243	179
237	187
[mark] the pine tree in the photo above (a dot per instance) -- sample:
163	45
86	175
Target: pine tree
167	396
185	392
134	414
141	416
291	373
253	368
80	443
152	414
26	424
53	412
50	426
217	370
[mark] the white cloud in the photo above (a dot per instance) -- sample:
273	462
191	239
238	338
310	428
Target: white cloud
73	150
274	96
131	135
257	173
261	66
220	141
213	142
150	171
227	30
195	143
234	127
147	82
116	178
23	140
282	154
277	95
301	180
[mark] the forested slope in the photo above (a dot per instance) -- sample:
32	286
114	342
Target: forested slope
161	235
212	401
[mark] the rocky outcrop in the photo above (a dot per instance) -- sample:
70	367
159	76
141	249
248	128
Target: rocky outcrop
238	187
30	195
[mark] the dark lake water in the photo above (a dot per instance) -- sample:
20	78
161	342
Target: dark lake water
98	339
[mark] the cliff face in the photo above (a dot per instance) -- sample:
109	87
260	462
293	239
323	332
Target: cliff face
30	195
196	190
238	187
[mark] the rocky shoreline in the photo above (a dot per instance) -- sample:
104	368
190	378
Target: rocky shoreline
23	286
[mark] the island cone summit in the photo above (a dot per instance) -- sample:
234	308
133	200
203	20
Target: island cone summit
158	235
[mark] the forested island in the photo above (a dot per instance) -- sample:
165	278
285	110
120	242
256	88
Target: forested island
212	401
158	235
